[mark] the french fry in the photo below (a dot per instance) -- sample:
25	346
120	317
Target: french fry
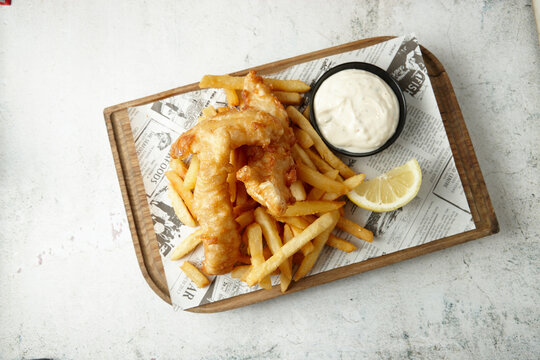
315	194
233	159
354	229
332	174
319	194
349	183
331	196
222	81
284	280
237	83
287	85
316	228
178	167
318	180
297	221
354	181
306	249
287	234
306	112
318	243
194	274
244	219
231	182
180	208
254	234
187	245
191	175
288	98
296	230
222	109
300	156
299	119
333	241
185	193
271	235
318	161
239	271
302	138
232	97
340	244
301	208
209	111
298	191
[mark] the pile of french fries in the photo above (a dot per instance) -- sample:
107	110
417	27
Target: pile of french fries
288	245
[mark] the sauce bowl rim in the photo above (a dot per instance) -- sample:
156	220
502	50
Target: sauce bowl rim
383	75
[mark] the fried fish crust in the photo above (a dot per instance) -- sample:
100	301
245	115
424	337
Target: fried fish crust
270	171
213	139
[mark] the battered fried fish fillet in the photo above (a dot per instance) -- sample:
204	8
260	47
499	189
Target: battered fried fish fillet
213	140
269	171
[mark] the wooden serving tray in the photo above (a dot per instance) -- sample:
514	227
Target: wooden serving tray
138	211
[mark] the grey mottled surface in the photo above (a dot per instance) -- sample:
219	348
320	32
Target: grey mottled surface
69	280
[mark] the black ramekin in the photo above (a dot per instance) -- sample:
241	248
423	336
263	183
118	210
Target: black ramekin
385	76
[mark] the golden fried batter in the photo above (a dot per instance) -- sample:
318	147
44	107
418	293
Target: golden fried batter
213	140
269	171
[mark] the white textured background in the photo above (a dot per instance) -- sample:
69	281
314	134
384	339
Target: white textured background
70	286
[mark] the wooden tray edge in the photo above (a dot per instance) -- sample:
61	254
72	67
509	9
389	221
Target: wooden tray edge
129	213
465	156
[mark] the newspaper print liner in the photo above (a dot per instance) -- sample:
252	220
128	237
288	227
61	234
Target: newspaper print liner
439	210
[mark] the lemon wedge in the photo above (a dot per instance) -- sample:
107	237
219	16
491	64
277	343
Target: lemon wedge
389	191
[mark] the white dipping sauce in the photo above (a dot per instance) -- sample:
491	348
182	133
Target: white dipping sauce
356	110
